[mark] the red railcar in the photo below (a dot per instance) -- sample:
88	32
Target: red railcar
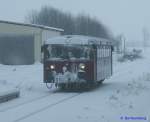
74	60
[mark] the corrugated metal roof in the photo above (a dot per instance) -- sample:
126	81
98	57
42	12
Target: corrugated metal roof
33	25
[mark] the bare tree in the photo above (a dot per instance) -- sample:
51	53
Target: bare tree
81	24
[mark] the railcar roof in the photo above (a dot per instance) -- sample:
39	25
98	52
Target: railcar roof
77	39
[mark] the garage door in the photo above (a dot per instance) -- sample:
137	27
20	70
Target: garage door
17	50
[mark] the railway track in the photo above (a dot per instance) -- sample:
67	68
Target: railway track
18	113
24	103
46	107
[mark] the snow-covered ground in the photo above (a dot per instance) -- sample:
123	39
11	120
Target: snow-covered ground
125	94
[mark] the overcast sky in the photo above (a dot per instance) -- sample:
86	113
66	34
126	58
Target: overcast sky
120	16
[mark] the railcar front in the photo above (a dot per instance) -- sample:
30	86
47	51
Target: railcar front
69	65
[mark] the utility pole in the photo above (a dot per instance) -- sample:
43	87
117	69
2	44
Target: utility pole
121	46
124	44
145	37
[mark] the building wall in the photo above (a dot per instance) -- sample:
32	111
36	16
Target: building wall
40	35
17	49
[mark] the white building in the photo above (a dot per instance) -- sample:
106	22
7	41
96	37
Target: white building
21	43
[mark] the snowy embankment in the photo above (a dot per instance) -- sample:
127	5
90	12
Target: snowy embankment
125	94
23	77
28	79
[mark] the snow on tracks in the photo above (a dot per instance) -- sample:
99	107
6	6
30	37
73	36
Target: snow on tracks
24	111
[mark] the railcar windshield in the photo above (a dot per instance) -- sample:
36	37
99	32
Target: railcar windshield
59	51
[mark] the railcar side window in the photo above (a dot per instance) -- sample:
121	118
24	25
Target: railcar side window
107	52
103	51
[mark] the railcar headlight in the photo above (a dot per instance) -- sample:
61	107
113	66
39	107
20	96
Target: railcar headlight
82	66
52	67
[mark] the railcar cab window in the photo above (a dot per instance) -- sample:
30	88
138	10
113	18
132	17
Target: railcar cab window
62	52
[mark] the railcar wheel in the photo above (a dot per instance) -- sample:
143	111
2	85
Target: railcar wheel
88	86
61	86
77	86
82	86
101	81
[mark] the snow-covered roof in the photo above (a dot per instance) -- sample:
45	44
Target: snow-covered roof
33	25
77	39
